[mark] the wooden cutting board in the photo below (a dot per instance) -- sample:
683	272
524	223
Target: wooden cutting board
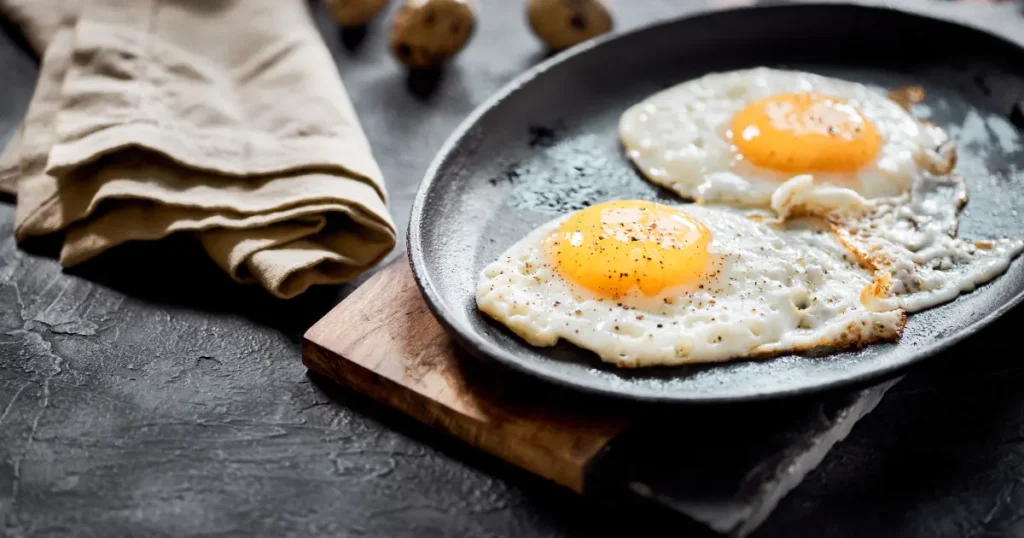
384	342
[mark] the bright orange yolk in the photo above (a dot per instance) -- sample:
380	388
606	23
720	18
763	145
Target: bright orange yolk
614	247
805	132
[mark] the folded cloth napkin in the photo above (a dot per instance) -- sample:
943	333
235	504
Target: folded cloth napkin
222	118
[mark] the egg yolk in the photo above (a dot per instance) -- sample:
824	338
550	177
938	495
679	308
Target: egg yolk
805	132
613	247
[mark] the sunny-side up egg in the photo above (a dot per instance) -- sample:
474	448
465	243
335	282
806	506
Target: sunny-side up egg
734	137
641	284
909	241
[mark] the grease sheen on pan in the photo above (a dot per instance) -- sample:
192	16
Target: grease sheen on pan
643	284
735	137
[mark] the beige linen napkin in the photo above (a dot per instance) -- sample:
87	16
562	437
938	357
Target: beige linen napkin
219	117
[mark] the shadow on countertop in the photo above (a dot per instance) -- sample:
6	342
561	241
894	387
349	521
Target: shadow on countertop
576	515
176	271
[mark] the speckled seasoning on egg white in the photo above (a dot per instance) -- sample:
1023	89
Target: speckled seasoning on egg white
693	284
734	137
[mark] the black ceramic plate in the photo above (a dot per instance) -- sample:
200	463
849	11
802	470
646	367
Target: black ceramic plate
547	144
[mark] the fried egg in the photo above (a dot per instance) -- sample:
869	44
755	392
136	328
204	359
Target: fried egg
735	137
640	284
908	242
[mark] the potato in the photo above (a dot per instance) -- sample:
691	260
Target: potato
355	12
564	23
427	33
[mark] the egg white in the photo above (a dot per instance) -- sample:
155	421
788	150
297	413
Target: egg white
768	291
677	138
908	241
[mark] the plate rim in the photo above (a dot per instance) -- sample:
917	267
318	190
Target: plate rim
480	347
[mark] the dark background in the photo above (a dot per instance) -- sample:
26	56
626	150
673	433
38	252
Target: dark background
147	394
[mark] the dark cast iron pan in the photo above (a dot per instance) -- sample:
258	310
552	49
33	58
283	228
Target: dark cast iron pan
547	144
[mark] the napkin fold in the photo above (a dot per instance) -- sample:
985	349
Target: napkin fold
222	118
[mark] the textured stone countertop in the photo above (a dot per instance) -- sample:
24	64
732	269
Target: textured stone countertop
145	399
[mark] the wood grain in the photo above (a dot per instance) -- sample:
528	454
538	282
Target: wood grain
384	342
